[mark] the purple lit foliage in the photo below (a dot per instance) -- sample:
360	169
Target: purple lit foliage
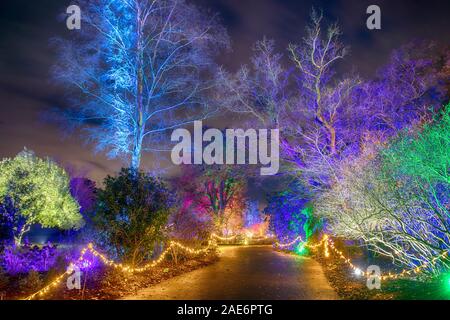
402	93
26	258
89	262
21	260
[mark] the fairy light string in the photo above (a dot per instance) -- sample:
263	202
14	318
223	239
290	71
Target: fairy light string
389	276
215	236
125	268
326	242
291	243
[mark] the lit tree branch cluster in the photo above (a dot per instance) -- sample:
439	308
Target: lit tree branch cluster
396	198
142	69
337	133
361	147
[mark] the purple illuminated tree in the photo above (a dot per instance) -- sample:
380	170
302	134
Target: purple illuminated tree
141	68
316	142
402	93
307	116
340	118
315	59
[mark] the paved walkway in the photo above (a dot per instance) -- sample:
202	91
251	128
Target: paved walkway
247	272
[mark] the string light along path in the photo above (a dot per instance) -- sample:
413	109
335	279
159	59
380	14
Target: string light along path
125	268
326	242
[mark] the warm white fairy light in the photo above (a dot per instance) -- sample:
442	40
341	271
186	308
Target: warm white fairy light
329	244
122	267
291	243
358	272
223	238
326	242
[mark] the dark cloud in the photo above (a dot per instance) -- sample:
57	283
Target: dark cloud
26	57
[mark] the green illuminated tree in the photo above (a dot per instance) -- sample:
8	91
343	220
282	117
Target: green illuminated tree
424	155
39	190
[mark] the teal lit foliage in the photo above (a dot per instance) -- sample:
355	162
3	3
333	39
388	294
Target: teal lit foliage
38	192
424	154
312	223
132	212
291	214
446	283
301	249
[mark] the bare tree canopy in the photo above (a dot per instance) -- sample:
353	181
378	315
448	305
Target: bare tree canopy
143	67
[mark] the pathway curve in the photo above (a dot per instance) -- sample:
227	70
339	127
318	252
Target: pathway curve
246	272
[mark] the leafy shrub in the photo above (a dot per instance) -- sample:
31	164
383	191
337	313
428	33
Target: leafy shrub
23	259
132	212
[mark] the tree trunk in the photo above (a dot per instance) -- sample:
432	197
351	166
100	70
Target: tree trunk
220	220
134	256
140	125
19	237
332	131
136	159
175	255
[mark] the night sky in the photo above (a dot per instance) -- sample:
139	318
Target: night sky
26	91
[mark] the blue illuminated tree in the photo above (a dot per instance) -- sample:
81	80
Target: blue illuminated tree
143	68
